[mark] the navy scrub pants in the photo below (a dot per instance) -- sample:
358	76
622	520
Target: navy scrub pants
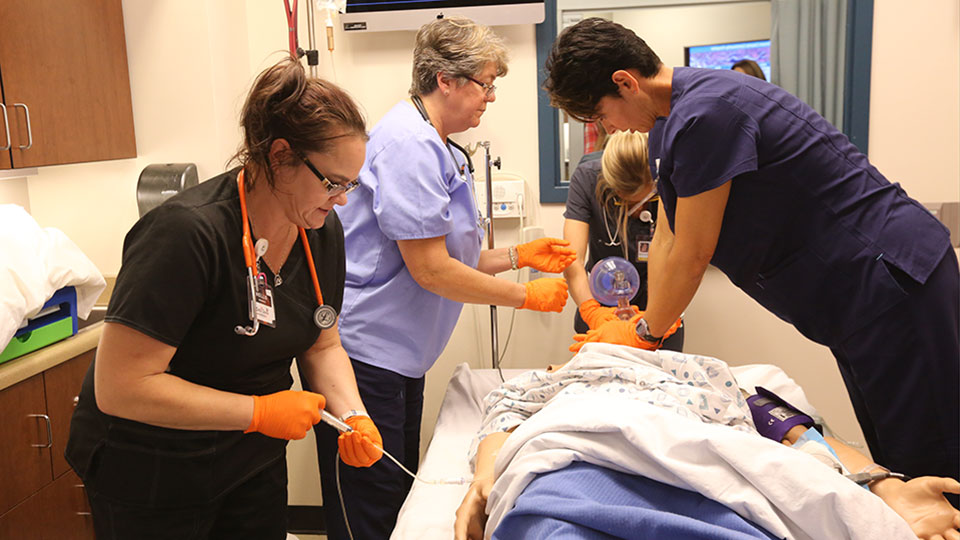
902	372
373	496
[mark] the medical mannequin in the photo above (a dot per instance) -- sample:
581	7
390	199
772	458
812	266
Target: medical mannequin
919	501
755	182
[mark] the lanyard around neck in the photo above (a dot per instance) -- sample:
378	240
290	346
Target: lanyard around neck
249	254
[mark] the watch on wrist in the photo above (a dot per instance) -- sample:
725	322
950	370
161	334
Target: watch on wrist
643	332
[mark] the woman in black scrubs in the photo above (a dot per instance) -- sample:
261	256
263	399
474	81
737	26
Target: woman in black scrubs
183	419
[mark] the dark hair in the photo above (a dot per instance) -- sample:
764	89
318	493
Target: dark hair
583	60
750	68
309	113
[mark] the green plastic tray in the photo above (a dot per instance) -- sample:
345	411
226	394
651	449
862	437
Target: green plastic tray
41	337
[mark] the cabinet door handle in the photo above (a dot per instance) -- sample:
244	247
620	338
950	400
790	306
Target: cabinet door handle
6	126
49	431
81	486
29	131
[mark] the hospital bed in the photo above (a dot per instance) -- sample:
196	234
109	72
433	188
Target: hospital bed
429	510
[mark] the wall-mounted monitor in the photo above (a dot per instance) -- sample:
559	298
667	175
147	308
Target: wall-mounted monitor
724	55
385	15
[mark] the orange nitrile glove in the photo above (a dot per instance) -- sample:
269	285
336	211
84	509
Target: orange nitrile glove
673	328
621	332
594	313
617	332
546	254
357	447
545	294
286	415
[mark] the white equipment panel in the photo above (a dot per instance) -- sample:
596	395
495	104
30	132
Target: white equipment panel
508	198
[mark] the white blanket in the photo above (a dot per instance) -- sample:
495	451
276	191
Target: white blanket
34	263
787	492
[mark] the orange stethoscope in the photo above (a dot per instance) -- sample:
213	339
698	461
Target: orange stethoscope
324	316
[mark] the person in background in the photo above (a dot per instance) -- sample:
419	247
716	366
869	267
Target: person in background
754	181
603	213
182	422
749	67
414	257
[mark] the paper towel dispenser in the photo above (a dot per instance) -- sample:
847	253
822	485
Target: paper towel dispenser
160	181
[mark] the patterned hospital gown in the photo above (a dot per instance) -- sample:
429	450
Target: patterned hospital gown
692	386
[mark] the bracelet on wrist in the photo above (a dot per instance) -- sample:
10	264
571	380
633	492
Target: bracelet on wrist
514	257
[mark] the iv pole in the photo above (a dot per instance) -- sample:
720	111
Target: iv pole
313	55
494	337
312	59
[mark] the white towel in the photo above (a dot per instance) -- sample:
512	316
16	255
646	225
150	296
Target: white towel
35	262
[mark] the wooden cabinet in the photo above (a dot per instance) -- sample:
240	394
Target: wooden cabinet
59	511
24	455
65	85
41	497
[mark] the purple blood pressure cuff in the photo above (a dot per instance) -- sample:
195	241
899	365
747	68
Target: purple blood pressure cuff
774	417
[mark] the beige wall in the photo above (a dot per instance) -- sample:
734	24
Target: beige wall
914	103
191	62
14	191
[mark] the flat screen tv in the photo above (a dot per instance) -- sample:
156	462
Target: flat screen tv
724	55
385	15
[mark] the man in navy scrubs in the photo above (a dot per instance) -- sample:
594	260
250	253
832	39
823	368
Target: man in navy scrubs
755	182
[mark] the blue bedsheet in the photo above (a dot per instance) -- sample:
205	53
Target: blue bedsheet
586	501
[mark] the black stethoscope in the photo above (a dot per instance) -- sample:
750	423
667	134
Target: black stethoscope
324	316
418	103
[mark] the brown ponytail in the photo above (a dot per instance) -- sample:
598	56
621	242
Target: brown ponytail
284	103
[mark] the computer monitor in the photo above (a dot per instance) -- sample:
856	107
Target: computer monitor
385	15
724	55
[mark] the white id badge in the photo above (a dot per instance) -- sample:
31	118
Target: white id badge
643	250
265	310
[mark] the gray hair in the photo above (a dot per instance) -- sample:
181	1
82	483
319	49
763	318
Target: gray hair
456	46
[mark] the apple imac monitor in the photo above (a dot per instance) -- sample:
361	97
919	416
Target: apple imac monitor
385	15
725	55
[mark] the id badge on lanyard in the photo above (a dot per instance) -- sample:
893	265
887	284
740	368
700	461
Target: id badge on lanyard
644	239
266	312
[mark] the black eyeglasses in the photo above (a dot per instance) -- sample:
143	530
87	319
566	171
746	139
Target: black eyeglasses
488	88
333	189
